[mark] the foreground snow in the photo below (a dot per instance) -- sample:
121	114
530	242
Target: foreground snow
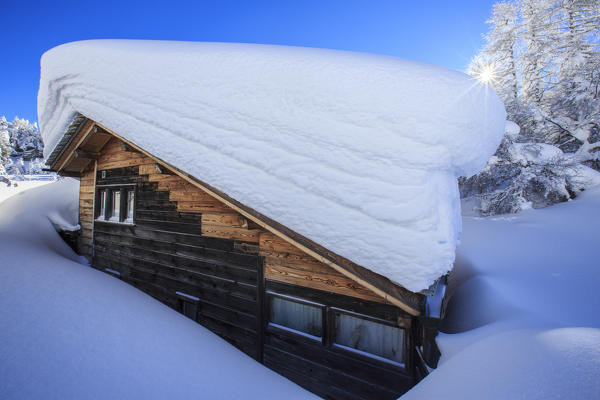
68	331
357	152
528	306
9	190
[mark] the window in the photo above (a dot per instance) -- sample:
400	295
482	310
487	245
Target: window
190	310
369	336
342	330
102	204
115	203
188	305
115	210
296	316
130	206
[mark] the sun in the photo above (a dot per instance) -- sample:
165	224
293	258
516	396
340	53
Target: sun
484	70
487	74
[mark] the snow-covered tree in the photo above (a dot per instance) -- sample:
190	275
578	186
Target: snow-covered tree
5	148
21	148
25	139
526	175
542	57
497	62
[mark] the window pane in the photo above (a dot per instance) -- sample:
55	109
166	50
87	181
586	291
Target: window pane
190	310
130	205
116	206
102	208
300	317
369	337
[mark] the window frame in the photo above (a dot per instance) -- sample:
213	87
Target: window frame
328	331
281	329
184	300
107	191
365	354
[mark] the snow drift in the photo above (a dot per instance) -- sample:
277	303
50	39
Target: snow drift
526	308
357	152
71	332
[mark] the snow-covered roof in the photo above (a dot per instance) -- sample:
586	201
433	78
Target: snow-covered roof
358	152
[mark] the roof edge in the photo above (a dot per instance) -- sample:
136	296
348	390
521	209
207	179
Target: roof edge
71	133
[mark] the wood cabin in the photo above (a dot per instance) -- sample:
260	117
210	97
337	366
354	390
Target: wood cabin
333	327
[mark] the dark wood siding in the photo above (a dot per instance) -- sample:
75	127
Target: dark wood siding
165	252
186	246
335	373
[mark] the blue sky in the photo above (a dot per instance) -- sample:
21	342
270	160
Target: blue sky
446	33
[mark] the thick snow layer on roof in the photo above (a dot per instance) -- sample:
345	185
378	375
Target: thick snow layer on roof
357	152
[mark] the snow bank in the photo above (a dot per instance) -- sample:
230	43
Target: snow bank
358	152
71	332
527	306
8	189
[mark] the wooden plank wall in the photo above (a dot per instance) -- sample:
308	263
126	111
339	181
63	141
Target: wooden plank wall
285	263
166	251
185	241
330	372
86	210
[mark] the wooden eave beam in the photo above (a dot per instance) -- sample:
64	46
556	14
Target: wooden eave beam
71	174
69	152
126	147
380	285
85	154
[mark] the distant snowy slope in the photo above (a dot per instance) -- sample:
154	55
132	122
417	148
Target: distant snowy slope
68	331
358	152
529	293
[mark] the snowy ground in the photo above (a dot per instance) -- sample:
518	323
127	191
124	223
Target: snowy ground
68	331
8	191
524	321
528	307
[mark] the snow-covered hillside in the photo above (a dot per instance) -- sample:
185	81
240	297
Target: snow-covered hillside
68	331
528	307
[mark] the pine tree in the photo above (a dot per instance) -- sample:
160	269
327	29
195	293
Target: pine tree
542	57
498	58
5	148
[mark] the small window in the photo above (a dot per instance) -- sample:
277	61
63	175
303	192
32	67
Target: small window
115	209
297	316
102	204
116	203
188	305
369	337
130	206
190	310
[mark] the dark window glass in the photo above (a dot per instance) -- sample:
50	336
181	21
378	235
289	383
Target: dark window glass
115	210
369	337
190	310
102	204
296	316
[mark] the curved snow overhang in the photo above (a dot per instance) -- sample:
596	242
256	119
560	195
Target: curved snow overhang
84	138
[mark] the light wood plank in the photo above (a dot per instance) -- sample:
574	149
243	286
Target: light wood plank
225	219
335	283
202	207
224	232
